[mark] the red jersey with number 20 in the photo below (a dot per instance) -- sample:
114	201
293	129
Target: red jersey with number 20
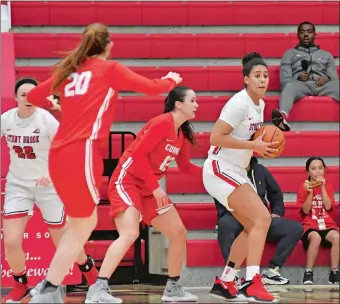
155	147
88	98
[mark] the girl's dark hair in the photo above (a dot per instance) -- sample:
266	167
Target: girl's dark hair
178	94
22	81
309	161
250	60
94	40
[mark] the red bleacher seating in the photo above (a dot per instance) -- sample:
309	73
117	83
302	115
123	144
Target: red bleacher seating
140	108
298	144
225	78
202	216
97	250
212	256
173	13
289	179
328	144
7	72
4	157
47	45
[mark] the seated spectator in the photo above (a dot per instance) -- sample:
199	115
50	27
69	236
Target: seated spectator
285	232
316	198
306	70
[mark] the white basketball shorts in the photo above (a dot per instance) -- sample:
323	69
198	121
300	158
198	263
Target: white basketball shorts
220	184
21	195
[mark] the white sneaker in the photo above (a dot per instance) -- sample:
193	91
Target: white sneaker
37	288
100	293
272	276
174	292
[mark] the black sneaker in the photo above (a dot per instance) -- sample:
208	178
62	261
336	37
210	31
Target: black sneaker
224	290
308	277
279	120
334	277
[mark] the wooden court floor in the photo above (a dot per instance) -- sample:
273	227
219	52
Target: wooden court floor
152	294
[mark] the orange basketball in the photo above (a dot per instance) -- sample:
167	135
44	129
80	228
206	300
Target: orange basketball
272	134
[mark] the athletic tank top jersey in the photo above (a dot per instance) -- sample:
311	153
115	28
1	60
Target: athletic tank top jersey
29	142
246	118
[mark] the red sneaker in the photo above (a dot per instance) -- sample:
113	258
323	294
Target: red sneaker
91	276
254	291
224	290
18	292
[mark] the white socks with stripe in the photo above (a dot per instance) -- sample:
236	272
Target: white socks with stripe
251	272
228	274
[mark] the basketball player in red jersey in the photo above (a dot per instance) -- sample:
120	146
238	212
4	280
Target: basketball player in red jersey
88	86
135	194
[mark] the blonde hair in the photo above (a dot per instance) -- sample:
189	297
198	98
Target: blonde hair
94	40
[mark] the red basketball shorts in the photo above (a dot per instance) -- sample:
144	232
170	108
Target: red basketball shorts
126	191
76	172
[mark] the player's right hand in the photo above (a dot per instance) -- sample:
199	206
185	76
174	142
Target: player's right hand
161	197
55	102
262	147
174	76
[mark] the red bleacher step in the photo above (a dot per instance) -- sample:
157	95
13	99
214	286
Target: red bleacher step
184	13
142	108
148	46
298	144
203	216
207	253
222	78
97	250
289	179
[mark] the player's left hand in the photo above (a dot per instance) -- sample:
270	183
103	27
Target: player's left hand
44	181
161	197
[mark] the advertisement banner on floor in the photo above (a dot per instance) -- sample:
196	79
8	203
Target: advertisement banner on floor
39	250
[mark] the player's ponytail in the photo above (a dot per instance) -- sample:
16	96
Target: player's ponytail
95	38
178	94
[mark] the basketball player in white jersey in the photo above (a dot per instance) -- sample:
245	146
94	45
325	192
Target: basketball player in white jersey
29	132
225	177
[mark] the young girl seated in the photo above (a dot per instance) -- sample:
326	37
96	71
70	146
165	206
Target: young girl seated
316	198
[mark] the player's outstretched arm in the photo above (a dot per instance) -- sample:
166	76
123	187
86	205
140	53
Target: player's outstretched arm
40	95
123	79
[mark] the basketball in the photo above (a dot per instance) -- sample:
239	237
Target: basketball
272	134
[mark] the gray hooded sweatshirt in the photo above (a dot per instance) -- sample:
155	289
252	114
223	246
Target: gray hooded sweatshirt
321	63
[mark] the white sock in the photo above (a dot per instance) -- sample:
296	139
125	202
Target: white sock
228	274
251	272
